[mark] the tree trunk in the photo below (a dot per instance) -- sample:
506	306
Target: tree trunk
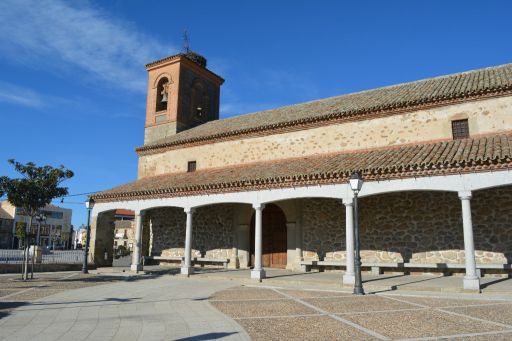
23	263
27	246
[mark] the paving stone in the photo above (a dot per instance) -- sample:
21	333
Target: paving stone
501	313
419	323
301	328
350	304
246	293
313	294
494	337
443	302
261	308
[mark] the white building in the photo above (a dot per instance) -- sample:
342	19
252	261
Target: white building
54	232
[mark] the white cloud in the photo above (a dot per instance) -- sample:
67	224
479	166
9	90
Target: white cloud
45	34
13	94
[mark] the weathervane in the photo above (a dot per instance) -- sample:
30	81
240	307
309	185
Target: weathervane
186	42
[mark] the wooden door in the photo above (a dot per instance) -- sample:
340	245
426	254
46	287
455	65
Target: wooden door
274	248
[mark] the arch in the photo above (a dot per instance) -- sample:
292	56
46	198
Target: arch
274	237
199	101
102	242
160	76
162	94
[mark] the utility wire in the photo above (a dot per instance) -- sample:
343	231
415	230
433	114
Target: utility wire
79	194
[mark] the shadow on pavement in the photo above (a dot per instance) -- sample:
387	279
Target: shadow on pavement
497	280
208	336
381	279
7	306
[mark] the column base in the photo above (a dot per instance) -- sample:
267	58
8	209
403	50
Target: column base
258	274
472	283
136	267
187	270
349	279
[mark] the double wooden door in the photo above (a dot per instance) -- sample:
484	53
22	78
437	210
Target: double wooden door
274	246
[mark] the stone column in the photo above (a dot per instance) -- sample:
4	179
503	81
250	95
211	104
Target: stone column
349	276
471	280
187	268
136	265
258	272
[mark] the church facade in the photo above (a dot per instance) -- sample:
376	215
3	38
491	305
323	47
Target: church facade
270	189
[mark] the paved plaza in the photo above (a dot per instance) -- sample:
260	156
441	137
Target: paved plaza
283	313
216	304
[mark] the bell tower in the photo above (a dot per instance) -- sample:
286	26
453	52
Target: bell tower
182	94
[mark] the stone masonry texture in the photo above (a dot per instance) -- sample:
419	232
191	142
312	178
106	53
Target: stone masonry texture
416	227
212	233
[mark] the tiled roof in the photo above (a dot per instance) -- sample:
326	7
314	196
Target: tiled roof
124	212
467	155
446	89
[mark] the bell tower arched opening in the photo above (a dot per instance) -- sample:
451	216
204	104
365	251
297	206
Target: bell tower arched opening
162	95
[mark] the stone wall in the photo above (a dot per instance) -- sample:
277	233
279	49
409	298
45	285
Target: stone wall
485	116
416	227
323	228
212	231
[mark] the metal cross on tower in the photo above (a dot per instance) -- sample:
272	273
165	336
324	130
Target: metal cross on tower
186	41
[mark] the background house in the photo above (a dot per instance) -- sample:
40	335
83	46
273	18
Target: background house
54	232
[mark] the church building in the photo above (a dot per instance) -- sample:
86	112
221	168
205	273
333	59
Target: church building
270	189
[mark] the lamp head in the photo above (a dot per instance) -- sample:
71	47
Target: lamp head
89	203
355	181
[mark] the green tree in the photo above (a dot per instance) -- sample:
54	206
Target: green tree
20	230
35	189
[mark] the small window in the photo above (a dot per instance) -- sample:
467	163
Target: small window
460	129
191	166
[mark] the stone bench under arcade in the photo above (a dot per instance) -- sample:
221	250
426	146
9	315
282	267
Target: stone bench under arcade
195	260
378	268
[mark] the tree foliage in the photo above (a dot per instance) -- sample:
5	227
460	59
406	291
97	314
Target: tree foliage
36	187
20	230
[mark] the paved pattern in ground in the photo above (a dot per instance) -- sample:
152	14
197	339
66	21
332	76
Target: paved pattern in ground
163	306
275	313
15	292
146	307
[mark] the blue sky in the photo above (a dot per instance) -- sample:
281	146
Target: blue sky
72	77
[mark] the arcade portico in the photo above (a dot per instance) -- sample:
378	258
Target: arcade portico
461	185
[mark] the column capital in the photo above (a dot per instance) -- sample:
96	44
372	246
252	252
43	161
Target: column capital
189	210
465	195
348	201
258	206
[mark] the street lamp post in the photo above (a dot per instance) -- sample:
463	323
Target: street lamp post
356	183
89	204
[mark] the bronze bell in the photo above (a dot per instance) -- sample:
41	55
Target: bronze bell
164	97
